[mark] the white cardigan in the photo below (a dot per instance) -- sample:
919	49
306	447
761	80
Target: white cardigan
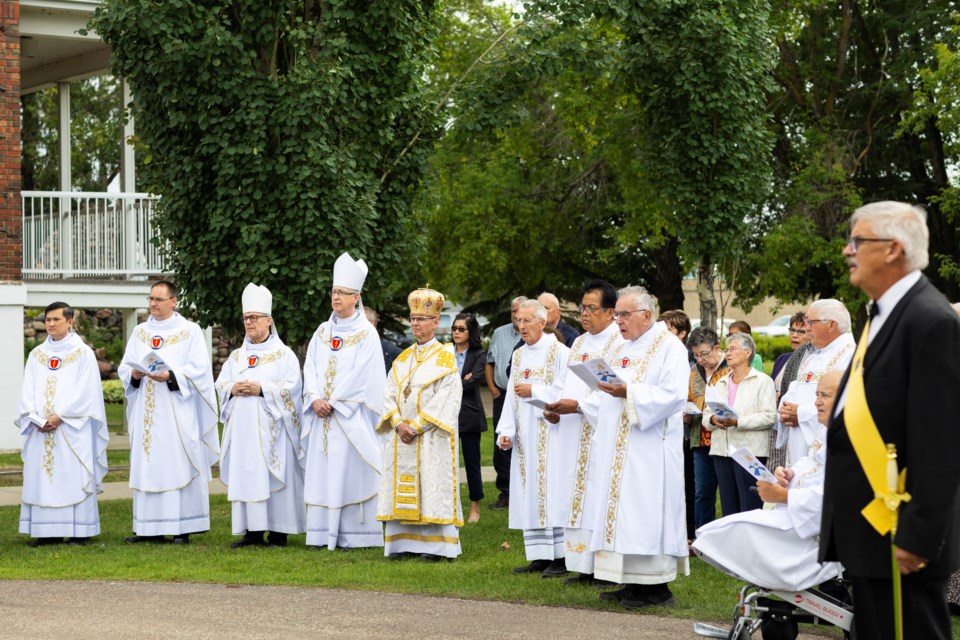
756	404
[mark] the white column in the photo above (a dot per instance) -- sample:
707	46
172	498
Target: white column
129	324
13	297
66	178
133	247
128	173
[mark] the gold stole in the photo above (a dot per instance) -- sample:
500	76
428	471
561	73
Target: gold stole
881	512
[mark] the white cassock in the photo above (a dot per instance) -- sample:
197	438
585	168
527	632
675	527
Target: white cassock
539	481
776	548
261	458
835	356
63	469
173	434
571	450
420	490
639	531
344	366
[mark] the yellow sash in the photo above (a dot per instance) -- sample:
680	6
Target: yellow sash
881	512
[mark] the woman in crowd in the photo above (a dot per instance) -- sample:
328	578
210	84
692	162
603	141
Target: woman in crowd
798	337
752	396
471	360
741	326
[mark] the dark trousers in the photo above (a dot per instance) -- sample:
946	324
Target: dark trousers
925	611
688	488
735	483
705	486
470	447
501	458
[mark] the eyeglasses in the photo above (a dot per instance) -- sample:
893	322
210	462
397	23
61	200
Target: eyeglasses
814	320
798	332
626	314
702	355
588	309
420	319
152	299
341	293
732	349
854	242
458	329
252	319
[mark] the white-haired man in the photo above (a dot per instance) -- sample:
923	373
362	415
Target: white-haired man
828	323
534	507
343	382
551	303
900	390
639	531
261	463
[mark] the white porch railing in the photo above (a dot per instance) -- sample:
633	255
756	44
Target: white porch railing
81	235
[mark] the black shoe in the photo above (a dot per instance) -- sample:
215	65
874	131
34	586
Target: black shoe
276	539
183	538
430	557
77	542
501	503
653	595
537	566
249	539
616	596
45	542
557	569
580	578
139	539
402	555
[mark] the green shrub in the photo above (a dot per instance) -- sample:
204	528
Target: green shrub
769	347
112	391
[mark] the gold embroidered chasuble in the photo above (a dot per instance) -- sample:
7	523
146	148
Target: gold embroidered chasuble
173	434
64	466
640	502
419	483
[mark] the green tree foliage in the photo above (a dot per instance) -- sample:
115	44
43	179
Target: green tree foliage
95	132
278	135
847	71
536	184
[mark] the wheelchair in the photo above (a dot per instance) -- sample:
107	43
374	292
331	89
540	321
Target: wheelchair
777	614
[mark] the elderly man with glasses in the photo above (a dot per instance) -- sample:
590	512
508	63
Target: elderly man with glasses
828	323
343	382
259	390
167	378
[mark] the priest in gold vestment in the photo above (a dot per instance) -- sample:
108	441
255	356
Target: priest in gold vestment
419	490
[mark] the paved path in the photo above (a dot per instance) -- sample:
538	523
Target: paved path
78	610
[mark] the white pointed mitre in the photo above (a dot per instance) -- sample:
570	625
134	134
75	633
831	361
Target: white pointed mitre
257	299
349	273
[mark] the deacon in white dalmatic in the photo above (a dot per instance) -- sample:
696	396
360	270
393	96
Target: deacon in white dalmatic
343	379
259	391
64	428
420	490
777	549
539	479
639	527
172	419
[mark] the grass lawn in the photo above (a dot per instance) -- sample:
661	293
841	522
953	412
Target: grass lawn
482	572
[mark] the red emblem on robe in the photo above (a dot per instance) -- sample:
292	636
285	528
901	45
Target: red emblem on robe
625	362
809	376
336	343
252	361
526	373
156	342
584	357
54	363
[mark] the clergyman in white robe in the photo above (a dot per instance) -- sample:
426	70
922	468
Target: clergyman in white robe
173	431
262	457
63	469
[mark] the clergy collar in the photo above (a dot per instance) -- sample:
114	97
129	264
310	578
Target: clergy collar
429	343
545	340
67	343
170	323
335	319
841	340
269	343
657	328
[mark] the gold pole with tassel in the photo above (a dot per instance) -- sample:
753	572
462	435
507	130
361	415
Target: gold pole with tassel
892	500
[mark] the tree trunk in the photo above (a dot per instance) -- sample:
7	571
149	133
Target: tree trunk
708	300
666	281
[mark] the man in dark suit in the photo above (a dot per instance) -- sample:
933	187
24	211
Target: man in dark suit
390	350
910	374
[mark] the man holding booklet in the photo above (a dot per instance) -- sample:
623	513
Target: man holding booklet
172	417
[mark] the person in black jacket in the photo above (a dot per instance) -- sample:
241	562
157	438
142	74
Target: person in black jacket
471	360
908	376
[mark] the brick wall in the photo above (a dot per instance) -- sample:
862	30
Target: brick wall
11	233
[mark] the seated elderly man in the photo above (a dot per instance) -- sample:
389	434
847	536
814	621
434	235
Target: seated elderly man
777	548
